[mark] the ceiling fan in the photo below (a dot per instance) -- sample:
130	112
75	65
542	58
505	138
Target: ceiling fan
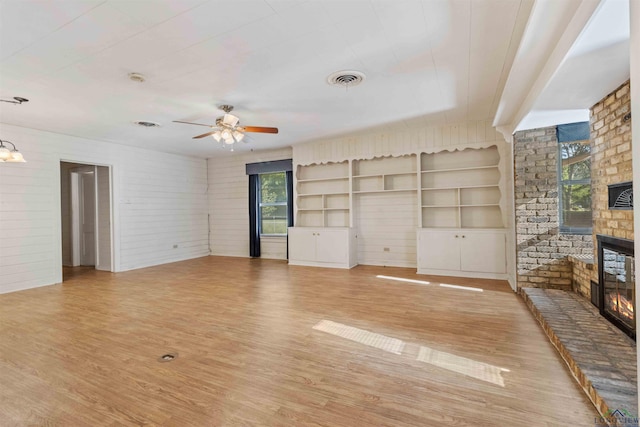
227	128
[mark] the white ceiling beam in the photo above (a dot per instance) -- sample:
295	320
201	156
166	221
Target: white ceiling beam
538	59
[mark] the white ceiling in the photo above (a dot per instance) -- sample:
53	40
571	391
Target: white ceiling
426	61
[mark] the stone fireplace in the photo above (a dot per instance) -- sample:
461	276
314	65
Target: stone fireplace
547	256
616	282
574	270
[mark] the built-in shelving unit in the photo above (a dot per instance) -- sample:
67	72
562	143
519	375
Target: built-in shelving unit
460	189
323	195
458	196
385	174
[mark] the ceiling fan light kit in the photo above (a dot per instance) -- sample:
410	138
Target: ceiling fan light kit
227	129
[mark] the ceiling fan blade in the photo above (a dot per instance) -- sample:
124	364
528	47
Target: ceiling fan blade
204	134
189	123
260	129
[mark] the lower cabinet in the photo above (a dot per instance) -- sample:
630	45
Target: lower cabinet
322	246
463	252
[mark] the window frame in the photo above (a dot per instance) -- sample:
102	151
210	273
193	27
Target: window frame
261	204
567	229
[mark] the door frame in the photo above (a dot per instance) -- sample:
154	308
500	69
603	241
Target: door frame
77	212
113	214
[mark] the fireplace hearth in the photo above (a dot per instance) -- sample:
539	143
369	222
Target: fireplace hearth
616	282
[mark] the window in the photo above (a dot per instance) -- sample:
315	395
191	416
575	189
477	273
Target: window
574	187
273	204
270	201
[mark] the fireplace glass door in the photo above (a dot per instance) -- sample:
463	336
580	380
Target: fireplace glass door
619	288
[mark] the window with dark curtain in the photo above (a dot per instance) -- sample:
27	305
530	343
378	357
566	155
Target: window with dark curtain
270	200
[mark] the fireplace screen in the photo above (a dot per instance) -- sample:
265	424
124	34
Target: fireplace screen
619	289
617	282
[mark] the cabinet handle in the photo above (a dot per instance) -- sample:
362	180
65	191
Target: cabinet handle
463	236
456	236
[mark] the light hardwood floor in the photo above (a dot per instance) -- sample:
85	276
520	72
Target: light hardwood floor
86	352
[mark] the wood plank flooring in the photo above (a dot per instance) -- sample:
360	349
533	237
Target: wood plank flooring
86	352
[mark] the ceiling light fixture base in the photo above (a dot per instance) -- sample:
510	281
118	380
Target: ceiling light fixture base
16	100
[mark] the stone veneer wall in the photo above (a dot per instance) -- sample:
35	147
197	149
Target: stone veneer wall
611	161
541	250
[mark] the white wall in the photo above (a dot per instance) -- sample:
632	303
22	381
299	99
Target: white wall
160	200
229	205
386	224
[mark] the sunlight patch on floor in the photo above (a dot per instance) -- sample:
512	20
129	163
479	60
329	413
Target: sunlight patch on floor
401	279
461	365
424	282
464	288
371	339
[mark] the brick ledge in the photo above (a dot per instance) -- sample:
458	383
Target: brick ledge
543	304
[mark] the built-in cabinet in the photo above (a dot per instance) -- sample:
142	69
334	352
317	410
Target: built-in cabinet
459	196
322	246
460	252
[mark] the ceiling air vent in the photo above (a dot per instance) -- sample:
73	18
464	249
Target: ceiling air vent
346	78
147	124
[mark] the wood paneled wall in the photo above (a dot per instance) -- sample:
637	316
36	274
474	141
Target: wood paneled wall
229	203
159	200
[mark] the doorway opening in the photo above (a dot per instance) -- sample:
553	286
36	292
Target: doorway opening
86	214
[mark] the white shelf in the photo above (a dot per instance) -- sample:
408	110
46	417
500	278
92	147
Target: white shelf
384	191
382	175
460	169
322	194
338	178
462	187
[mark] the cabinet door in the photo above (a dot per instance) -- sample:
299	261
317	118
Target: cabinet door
332	246
439	250
483	252
302	244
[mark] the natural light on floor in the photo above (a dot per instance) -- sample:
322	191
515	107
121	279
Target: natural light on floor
361	336
422	282
401	279
462	365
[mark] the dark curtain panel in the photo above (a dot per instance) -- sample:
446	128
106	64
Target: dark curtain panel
254	230
289	204
290	198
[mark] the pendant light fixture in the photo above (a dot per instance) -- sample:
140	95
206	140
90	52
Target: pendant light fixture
10	155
